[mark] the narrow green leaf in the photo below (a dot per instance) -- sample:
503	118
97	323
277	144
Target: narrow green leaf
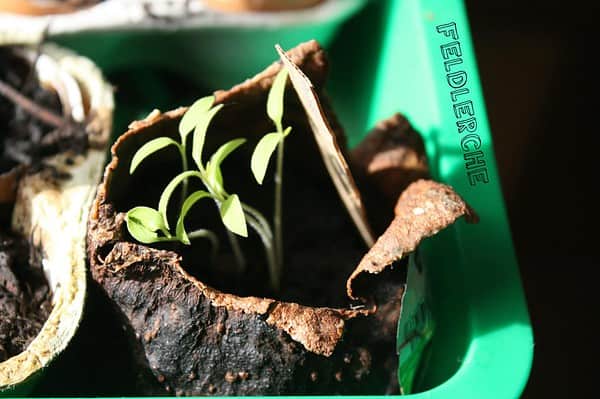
193	115
185	208
200	133
215	177
262	154
148	149
163	203
143	224
275	100
233	217
213	167
287	131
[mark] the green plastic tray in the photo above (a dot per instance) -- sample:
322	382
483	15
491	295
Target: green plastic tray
389	58
483	344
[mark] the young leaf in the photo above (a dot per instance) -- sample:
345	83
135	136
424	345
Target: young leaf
143	223
275	100
193	114
185	208
151	218
262	154
140	232
213	167
148	149
233	217
215	177
168	191
200	133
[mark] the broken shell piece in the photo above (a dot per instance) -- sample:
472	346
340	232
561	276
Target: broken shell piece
422	210
51	207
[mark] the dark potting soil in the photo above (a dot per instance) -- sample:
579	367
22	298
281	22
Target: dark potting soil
25	299
26	139
321	248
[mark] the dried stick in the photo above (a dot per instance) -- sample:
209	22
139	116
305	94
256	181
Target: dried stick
41	113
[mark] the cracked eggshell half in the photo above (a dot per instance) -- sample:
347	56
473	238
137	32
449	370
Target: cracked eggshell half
52	206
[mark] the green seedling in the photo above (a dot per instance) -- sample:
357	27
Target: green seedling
264	151
142	221
148	225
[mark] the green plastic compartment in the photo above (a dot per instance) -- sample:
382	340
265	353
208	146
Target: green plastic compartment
483	343
386	59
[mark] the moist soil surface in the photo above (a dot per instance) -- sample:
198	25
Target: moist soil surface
25	299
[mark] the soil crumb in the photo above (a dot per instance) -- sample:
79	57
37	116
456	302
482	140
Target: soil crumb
25	298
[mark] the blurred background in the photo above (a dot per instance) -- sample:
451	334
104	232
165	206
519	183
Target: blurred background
538	80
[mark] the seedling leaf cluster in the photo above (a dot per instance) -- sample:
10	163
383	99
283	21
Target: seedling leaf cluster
148	225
